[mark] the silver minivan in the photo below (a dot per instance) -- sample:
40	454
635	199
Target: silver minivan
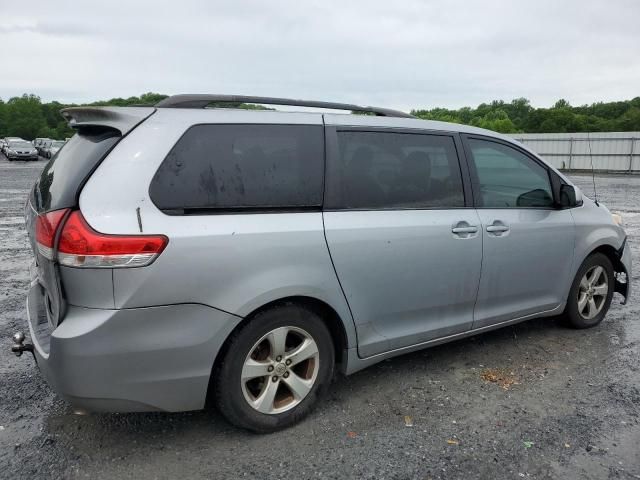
187	254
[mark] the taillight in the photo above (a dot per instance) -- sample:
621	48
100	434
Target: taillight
81	246
46	227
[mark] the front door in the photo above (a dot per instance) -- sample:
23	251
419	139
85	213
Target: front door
406	250
527	242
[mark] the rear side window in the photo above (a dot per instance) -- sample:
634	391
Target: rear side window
242	167
508	178
62	178
387	170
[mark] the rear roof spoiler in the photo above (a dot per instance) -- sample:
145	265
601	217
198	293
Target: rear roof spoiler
123	119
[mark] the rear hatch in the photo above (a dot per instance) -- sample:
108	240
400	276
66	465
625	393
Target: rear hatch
56	192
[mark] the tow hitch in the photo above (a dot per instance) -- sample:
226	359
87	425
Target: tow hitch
18	348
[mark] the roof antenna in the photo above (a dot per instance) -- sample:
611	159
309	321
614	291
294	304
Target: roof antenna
593	173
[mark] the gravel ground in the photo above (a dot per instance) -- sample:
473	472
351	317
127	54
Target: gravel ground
566	403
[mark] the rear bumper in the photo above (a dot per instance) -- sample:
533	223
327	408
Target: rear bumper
141	359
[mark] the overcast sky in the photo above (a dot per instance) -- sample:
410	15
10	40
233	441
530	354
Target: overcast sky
402	54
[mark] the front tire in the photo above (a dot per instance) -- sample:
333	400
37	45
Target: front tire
274	369
591	292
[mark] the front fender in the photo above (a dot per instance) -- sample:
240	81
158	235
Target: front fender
595	230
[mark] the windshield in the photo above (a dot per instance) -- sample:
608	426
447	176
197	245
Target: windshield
20	145
57	144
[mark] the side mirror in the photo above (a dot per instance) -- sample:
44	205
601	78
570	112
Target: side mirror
570	196
535	198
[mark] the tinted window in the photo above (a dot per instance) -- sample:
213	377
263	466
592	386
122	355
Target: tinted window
242	166
383	170
60	182
509	178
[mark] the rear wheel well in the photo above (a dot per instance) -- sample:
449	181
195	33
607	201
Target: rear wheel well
330	317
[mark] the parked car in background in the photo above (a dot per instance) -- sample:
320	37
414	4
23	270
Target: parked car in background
3	143
38	142
51	148
21	150
6	141
42	144
249	254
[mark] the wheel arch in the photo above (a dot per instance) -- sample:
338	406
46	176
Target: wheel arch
615	257
329	315
609	251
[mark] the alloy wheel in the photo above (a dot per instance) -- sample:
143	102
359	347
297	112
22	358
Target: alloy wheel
280	370
592	294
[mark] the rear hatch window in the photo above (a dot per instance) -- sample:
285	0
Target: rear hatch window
63	177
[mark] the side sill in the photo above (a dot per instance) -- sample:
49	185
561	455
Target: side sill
354	363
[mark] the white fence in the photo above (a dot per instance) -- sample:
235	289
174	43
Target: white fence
610	151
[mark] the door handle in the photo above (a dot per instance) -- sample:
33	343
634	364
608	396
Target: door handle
463	230
497	228
469	229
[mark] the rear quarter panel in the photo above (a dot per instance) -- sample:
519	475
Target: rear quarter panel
235	263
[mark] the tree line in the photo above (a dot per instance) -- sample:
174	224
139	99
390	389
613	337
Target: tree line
28	117
518	116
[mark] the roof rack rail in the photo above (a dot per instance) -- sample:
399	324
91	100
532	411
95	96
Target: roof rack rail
202	101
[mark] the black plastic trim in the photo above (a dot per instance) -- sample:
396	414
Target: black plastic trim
620	251
237	210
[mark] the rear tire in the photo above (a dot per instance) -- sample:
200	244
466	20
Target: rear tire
591	292
274	369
